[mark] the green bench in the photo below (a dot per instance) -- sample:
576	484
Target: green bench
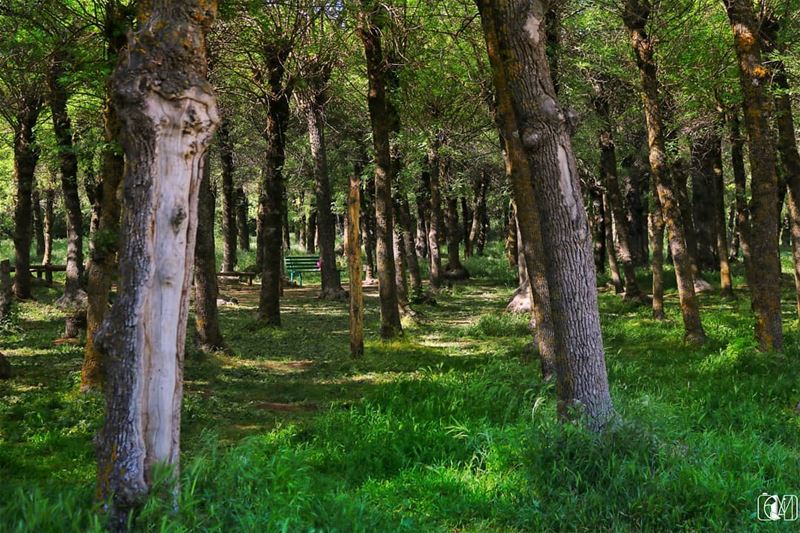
297	264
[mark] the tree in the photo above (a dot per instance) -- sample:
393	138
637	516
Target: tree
168	114
582	382
762	260
635	16
369	30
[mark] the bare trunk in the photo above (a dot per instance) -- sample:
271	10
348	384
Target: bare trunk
242	222
168	115
26	155
68	165
229	228
454	268
763	264
741	211
49	220
479	213
435	223
103	256
6	290
370	34
635	18
206	290
598	228
613	265
408	229
38	222
353	247
270	211
517	28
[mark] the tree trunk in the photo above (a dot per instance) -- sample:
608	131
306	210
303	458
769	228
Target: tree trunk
680	171
763	264
582	382
705	150
636	189
479	213
206	290
68	165
720	229
598	227
466	227
26	155
408	230
353	246
613	265
168	115
635	19
370	34
614	201
6	290
368	228
229	227
422	218
435	222
38	222
103	256
49	221
742	211
242	222
331	285
454	269
270	210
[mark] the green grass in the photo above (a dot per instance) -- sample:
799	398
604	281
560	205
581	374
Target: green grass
449	428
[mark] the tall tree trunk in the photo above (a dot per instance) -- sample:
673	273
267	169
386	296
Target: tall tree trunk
704	190
311	232
271	204
206	290
26	155
422	218
479	213
635	18
636	189
614	200
454	268
435	223
38	222
720	229
790	158
370	33
598	227
331	285
353	247
103	255
408	230
613	265
229	228
680	172
68	164
168	115
582	382
742	211
242	222
655	230
763	264
368	228
49	221
466	227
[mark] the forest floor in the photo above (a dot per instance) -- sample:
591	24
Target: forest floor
448	429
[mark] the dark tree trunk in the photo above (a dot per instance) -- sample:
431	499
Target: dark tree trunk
168	115
636	191
286	239
720	229
314	106
635	18
6	291
762	261
26	155
454	268
422	218
206	290
598	226
479	213
229	228
680	172
68	165
242	222
370	33
38	222
582	382
613	265
435	223
705	152
271	208
103	256
49	221
466	227
368	229
614	201
408	230
512	242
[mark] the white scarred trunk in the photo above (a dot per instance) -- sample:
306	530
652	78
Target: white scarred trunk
168	115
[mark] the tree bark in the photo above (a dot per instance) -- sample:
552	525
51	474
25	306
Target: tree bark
454	269
613	265
26	155
635	18
479	213
206	290
270	209
408	230
705	150
368	228
353	247
49	221
614	200
314	109
38	222
6	290
598	228
720	228
370	33
582	383
168	114
229	224
763	264
435	222
103	256
68	165
242	222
